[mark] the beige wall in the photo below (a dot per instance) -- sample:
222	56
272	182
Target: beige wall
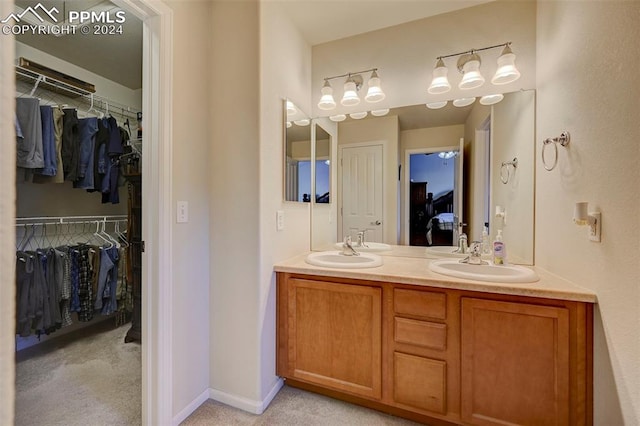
406	54
378	130
513	136
474	169
592	91
433	137
191	164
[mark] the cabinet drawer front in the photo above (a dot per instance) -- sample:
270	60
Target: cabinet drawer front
421	333
419	382
420	303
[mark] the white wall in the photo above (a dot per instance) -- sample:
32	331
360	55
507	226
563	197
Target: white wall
191	164
587	84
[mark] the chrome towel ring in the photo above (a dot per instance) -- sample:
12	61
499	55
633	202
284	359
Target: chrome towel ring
563	140
505	170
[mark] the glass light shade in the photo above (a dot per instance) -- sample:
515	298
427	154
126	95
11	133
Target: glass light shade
472	77
291	109
326	101
463	102
436	105
350	97
338	117
491	99
375	93
380	112
507	71
303	122
358	115
440	82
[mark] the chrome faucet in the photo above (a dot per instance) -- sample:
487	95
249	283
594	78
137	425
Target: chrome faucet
347	247
462	244
475	254
360	242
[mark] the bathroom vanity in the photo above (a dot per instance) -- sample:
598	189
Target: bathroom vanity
435	349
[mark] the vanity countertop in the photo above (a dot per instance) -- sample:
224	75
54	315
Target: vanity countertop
415	270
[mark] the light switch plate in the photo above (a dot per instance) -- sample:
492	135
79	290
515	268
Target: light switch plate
182	215
280	220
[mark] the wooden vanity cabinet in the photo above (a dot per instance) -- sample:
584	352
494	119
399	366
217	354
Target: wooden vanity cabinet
438	356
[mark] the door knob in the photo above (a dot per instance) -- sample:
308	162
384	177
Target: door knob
377	222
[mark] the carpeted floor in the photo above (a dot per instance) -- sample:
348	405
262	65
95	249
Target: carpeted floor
294	407
89	377
92	378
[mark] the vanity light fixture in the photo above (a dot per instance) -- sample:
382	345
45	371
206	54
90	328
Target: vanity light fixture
358	115
338	117
582	216
380	112
302	122
291	108
491	99
463	102
326	101
352	85
507	71
436	105
469	65
440	82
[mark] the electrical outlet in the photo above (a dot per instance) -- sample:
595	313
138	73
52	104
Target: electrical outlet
595	231
280	220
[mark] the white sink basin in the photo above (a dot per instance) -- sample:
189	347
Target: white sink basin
485	272
369	247
449	251
335	259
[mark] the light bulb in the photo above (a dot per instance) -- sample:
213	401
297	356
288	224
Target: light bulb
472	77
350	97
375	93
326	101
507	71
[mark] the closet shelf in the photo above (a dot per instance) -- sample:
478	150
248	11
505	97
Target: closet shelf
65	89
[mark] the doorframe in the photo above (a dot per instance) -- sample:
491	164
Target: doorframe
406	180
157	166
339	189
157	104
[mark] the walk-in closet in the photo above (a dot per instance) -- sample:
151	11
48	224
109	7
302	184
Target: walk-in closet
80	139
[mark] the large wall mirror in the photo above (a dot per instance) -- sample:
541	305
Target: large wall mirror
297	154
447	158
323	211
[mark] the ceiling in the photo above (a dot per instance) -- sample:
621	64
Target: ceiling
321	21
117	57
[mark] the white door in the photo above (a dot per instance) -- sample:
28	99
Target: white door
458	183
362	195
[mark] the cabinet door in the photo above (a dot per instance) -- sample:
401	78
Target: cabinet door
335	336
515	363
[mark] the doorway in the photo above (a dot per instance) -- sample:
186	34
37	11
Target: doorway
362	197
432	192
157	177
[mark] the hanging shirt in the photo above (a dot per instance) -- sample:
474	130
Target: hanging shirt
29	149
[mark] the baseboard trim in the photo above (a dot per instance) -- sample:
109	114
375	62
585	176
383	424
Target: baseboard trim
193	405
244	404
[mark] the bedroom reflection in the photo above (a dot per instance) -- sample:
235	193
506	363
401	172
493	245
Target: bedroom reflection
431	196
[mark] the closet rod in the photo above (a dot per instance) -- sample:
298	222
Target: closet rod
67	219
38	79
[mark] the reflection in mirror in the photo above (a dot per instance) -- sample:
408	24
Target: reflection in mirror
490	136
297	149
322	180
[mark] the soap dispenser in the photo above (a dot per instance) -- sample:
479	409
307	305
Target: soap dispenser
499	250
